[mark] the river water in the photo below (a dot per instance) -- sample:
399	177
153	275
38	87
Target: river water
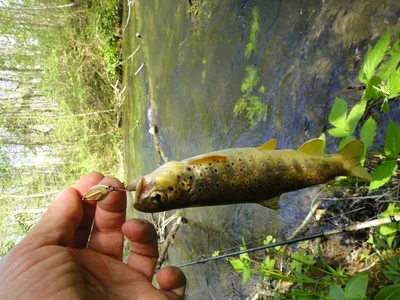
282	62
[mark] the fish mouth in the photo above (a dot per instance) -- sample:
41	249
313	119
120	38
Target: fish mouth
142	189
136	186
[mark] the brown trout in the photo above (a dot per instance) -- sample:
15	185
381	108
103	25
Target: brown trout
244	175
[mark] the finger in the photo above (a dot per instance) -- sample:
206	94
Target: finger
144	246
89	208
107	237
59	223
172	282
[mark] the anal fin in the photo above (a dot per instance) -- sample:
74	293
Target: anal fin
272	203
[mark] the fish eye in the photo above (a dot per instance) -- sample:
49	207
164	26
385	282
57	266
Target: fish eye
157	197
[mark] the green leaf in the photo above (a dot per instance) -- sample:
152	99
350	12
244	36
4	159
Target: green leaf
338	132
237	264
393	84
371	92
344	141
373	57
356	287
385	106
368	132
355	115
382	174
246	274
336	292
390	238
338	114
390	65
391	292
392	139
388	229
367	135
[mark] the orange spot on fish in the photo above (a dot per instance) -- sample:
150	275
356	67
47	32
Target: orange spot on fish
276	171
303	167
237	174
263	165
279	162
292	169
299	177
255	173
224	177
318	167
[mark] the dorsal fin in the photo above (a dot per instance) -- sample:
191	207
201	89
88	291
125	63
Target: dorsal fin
270	145
314	146
205	159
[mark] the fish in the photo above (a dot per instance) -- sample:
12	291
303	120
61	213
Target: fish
244	175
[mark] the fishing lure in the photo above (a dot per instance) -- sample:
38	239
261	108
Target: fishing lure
100	191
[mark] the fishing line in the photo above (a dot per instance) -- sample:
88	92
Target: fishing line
349	228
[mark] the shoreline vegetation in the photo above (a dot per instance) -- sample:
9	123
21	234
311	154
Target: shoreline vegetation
61	102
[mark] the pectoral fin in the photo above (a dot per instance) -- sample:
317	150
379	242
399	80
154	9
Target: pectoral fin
272	203
270	145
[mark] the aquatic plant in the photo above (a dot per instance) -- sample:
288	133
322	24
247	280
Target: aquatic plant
251	104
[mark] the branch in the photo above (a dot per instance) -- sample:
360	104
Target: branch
167	242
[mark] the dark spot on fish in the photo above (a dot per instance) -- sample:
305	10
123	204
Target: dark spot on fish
240	159
179	177
208	190
217	161
217	185
199	190
182	184
247	182
227	165
206	168
232	184
209	164
190	177
201	174
201	165
215	170
241	170
194	167
232	163
188	169
170	188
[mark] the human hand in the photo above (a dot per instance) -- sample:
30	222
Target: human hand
58	259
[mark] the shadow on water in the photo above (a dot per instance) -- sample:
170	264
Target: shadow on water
278	62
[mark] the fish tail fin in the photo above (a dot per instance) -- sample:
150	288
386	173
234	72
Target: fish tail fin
352	154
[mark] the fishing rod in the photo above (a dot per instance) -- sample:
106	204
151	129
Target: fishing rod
349	228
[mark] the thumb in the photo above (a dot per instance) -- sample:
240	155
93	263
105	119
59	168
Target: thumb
59	223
